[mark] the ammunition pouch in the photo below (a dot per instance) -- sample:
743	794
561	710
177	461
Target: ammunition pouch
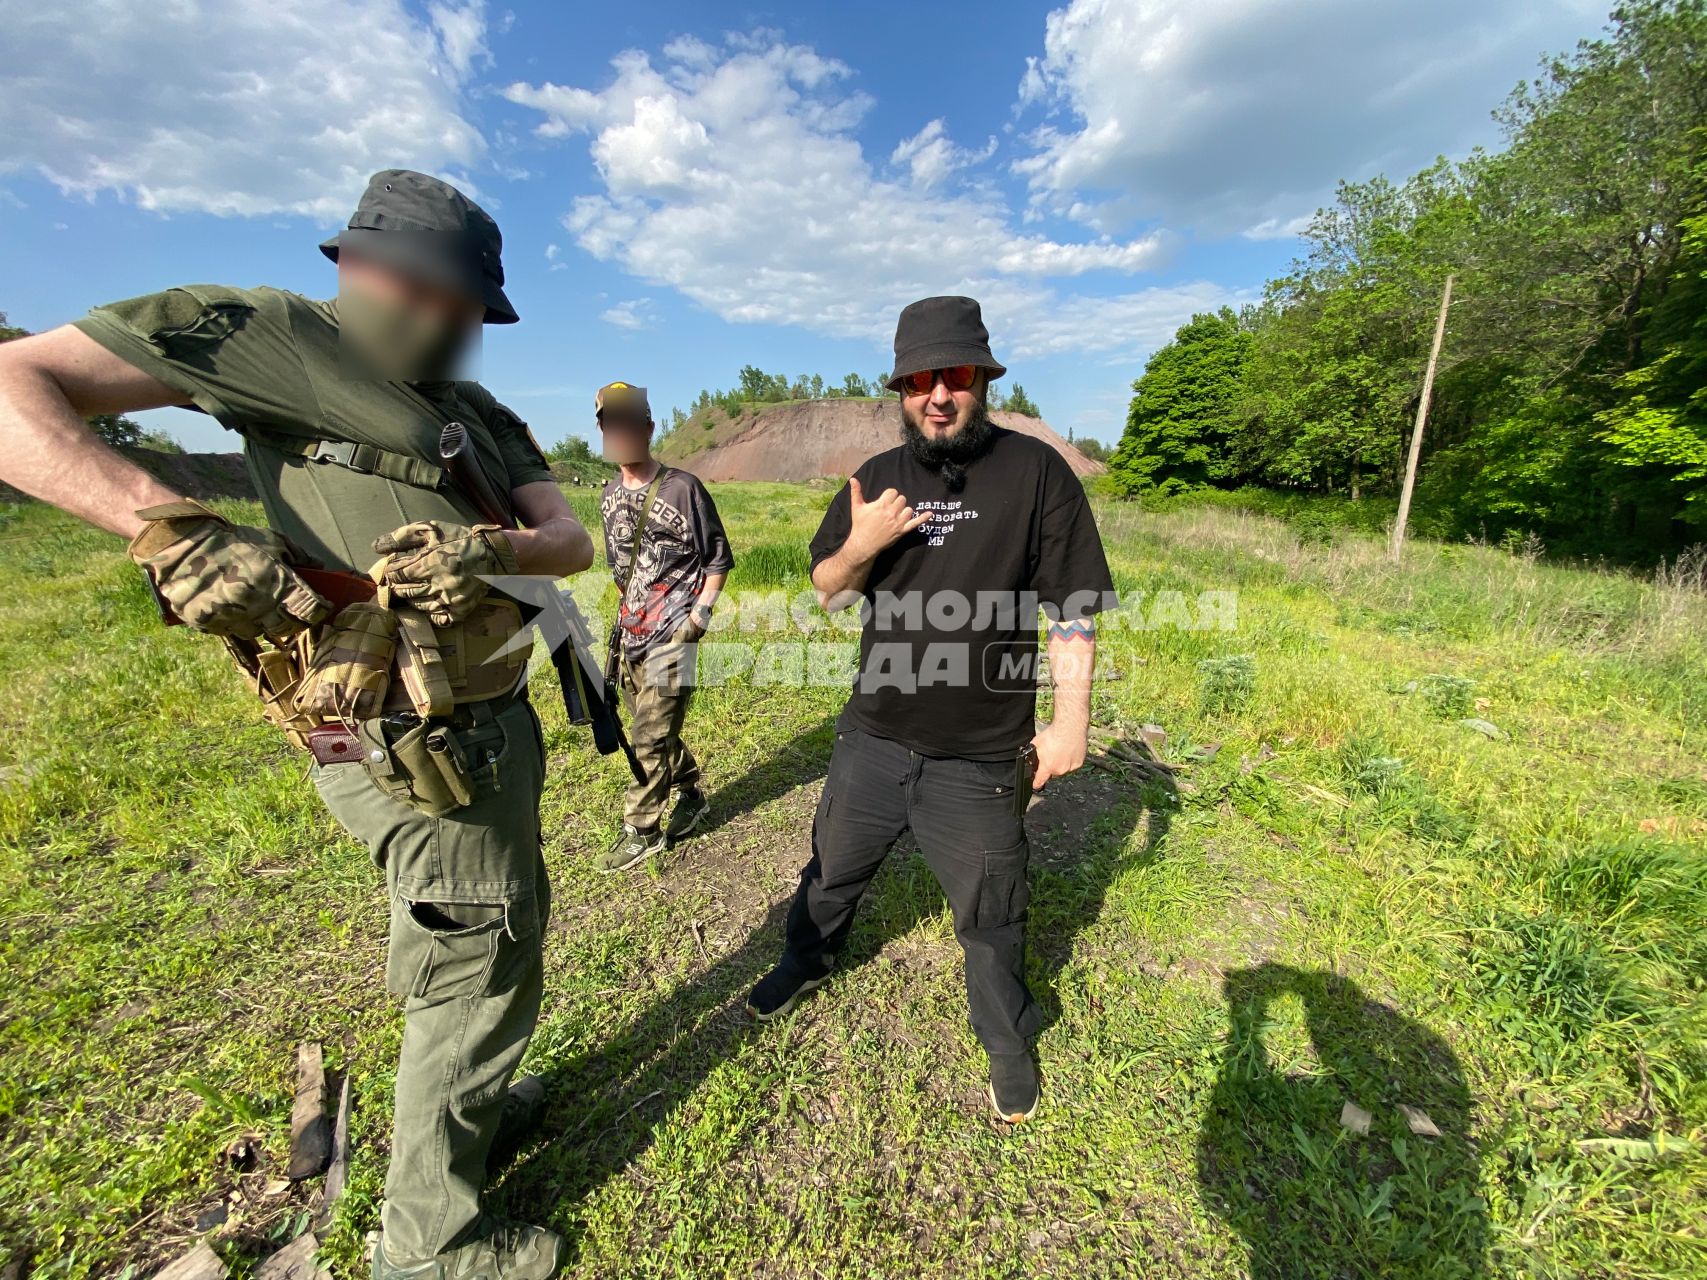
425	763
351	670
439	670
275	673
419	764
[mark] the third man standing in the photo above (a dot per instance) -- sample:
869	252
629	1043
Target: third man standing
667	551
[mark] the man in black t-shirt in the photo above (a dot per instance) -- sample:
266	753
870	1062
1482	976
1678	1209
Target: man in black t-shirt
952	544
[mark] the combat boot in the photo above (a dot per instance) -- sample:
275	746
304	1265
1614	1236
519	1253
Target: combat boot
499	1250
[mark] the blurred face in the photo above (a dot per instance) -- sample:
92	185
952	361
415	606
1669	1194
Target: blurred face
941	413
397	327
628	440
387	284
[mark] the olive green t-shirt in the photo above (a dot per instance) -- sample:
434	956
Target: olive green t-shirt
265	363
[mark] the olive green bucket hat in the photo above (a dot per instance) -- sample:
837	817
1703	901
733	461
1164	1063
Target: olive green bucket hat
426	228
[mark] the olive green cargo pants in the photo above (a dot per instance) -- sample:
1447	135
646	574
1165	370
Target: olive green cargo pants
656	691
469	900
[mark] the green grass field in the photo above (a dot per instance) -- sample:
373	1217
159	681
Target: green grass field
1355	898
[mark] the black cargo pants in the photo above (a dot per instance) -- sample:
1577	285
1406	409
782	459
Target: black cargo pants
962	812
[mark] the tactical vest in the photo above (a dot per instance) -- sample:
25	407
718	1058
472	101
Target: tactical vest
332	496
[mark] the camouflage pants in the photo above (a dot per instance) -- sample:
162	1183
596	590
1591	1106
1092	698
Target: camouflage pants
469	899
656	691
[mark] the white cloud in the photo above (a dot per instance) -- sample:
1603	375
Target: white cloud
244	107
1277	228
635	313
1234	113
732	175
461	29
932	156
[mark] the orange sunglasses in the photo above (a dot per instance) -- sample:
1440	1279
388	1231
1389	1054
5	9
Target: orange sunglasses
957	377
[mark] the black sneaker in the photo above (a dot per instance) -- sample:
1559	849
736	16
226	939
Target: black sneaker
632	846
778	992
1013	1086
690	810
524	1108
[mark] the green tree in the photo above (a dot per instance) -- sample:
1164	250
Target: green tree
575	454
1018	402
1659	423
1093	448
1182	410
1580	227
754	383
1569	396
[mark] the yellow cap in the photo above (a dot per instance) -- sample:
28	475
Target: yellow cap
624	399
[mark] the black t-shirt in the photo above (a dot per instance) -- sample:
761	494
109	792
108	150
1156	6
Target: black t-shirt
949	646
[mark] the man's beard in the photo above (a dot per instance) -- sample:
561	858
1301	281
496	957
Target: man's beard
949	457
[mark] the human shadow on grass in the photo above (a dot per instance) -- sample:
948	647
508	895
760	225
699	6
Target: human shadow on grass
606	1105
1311	1196
797	763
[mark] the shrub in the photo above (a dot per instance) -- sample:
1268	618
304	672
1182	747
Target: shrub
1225	684
1449	697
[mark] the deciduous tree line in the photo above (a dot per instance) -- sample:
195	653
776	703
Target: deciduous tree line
1571	400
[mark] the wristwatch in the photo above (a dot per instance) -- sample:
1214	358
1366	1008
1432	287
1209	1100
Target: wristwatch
701	615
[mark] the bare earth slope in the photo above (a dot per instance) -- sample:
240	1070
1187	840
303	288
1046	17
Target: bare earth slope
802	440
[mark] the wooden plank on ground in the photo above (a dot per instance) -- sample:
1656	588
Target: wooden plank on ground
310	1136
338	1172
293	1262
200	1263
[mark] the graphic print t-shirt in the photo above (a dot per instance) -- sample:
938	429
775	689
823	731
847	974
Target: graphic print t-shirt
682	543
949	648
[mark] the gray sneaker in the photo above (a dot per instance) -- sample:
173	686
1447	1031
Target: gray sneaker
631	847
500	1250
689	812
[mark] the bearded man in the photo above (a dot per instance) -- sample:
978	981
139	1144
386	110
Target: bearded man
973	531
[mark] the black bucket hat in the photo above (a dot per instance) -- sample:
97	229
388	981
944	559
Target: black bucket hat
939	333
429	229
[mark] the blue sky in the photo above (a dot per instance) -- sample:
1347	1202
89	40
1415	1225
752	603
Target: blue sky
687	188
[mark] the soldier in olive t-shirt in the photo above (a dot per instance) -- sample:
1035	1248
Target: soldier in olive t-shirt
344	454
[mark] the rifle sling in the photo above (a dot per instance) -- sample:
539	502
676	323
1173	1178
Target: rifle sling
640	523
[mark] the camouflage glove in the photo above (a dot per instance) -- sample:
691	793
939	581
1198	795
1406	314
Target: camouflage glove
223	578
350	672
440	568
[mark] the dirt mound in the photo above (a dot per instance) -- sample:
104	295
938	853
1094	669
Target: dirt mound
195	475
802	440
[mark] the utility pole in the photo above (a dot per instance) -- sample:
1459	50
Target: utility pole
1397	550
